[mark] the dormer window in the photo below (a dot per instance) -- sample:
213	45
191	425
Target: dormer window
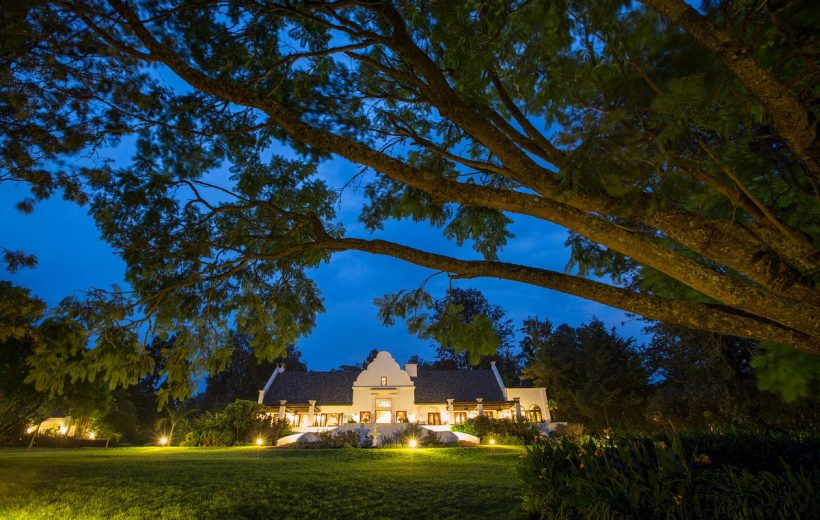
384	380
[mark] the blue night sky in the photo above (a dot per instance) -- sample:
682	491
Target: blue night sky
72	259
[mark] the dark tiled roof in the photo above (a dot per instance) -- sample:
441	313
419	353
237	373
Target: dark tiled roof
300	387
436	386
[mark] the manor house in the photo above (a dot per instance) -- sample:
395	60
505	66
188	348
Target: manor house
386	393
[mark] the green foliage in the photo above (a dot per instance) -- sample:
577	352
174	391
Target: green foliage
468	331
339	439
712	381
503	431
245	375
241	422
594	376
41	367
788	372
663	477
428	98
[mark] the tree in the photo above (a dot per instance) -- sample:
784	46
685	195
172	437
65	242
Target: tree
467	305
174	418
245	375
25	331
595	377
363	365
702	380
678	147
19	403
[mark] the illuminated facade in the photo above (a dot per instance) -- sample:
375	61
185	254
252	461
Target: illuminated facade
386	393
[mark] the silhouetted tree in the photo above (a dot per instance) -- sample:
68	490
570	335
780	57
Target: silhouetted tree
594	376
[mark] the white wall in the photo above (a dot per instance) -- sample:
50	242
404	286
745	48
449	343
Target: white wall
529	397
368	387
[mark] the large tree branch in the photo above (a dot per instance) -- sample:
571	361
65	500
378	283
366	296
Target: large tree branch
639	247
714	318
553	154
795	122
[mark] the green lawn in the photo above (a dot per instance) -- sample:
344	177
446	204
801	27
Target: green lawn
259	483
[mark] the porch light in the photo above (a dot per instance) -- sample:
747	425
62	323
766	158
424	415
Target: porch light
412	443
163	440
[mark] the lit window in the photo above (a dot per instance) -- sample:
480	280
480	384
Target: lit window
364	417
434	418
384	403
384	380
460	417
401	416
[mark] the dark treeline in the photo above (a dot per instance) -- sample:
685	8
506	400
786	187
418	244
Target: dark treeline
594	378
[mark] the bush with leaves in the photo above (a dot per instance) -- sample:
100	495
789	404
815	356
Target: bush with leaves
668	476
504	431
339	439
241	422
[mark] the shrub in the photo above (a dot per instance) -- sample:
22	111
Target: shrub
661	477
501	429
344	439
411	431
240	422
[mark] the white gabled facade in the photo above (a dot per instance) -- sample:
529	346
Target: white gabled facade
386	393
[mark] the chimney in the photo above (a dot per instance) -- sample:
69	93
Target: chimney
498	378
412	369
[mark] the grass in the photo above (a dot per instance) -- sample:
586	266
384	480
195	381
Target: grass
247	482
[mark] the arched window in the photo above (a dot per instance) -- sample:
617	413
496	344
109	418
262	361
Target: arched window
534	414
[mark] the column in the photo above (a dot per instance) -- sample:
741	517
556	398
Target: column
451	419
283	411
517	408
311	412
480	401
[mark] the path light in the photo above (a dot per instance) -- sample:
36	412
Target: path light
492	442
412	443
163	440
259	441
